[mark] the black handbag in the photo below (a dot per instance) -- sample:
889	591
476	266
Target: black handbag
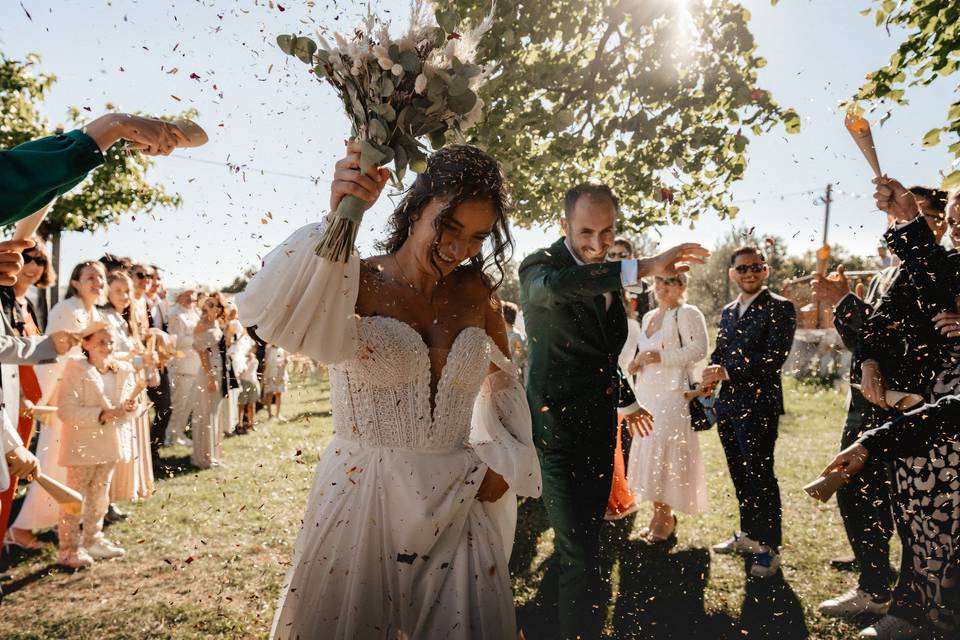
702	414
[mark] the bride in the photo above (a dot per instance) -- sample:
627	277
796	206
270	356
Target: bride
410	521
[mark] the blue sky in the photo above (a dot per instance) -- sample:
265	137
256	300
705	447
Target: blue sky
264	114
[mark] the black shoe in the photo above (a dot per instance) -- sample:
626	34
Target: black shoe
114	515
844	563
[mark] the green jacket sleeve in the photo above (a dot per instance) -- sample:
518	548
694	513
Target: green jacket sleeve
547	286
34	173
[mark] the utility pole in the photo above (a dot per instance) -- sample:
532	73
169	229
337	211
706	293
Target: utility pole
823	255
826	213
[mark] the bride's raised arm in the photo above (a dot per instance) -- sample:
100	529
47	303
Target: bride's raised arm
304	303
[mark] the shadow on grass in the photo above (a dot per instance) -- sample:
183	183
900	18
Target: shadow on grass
306	415
15	585
660	594
171	466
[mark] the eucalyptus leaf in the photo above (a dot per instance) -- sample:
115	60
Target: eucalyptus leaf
463	103
448	20
438	139
429	127
410	62
370	156
394	52
435	87
419	164
399	159
387	87
377	131
403	120
286	43
304	48
457	85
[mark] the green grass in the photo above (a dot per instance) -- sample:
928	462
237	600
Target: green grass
206	554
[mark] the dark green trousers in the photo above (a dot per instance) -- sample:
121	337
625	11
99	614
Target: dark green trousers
576	485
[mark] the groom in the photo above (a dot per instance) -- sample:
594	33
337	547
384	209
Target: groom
576	326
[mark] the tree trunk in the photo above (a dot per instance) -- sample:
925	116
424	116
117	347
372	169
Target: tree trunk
55	256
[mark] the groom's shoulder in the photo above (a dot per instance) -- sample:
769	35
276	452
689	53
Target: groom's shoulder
552	255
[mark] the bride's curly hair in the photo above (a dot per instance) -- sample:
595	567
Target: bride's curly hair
458	173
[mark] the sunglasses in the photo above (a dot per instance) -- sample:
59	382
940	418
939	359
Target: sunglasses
668	281
140	275
40	261
623	255
756	267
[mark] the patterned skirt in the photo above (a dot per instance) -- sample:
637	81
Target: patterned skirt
929	503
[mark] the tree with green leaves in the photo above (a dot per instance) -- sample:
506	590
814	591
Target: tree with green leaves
118	187
657	98
930	50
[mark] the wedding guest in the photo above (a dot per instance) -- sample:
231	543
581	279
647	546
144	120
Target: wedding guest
183	367
886	258
234	346
621	502
928	435
753	342
76	312
96	399
576	328
133	476
900	349
113	263
518	350
638	297
156	307
865	501
35	172
19	311
275	379
249	393
925	362
142	276
666	468
211	383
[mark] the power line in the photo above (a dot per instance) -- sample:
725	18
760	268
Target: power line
243	168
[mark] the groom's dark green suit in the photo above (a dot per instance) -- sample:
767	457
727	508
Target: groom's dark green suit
574	336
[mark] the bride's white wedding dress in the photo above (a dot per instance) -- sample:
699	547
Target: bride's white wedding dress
394	543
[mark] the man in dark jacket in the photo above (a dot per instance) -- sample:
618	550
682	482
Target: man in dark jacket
576	327
754	340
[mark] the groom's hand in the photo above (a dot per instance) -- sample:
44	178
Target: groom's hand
640	423
673	261
492	487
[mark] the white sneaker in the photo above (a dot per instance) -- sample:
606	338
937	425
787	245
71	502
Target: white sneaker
740	543
104	550
890	628
854	603
77	559
765	564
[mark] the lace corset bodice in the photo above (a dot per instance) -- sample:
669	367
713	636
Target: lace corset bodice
381	396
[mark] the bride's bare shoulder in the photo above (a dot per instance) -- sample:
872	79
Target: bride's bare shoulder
472	287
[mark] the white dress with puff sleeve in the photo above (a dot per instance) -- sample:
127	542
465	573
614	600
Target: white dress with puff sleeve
394	543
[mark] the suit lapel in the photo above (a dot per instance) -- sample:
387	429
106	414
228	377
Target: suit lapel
755	307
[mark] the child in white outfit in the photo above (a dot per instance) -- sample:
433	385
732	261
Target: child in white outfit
97	401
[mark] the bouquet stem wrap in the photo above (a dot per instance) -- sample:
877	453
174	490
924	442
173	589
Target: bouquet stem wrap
338	240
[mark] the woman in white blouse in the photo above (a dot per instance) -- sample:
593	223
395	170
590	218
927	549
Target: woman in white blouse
666	468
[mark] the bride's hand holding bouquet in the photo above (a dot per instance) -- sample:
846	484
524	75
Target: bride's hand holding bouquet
349	180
